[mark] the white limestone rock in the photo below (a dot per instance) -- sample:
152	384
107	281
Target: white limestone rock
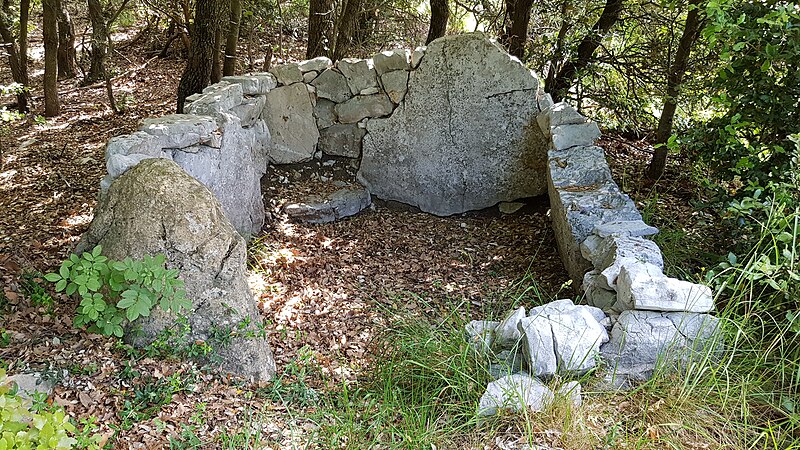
182	130
137	142
253	84
573	135
332	85
287	74
538	346
395	84
644	286
359	73
220	98
507	334
364	106
391	60
634	228
289	115
317	64
331	207
516	392
416	56
464	137
579	168
609	254
250	110
342	140
558	114
480	334
596	295
325	113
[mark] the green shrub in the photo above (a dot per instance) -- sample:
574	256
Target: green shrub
114	293
22	429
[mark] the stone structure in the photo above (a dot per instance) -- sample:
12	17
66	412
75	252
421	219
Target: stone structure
155	208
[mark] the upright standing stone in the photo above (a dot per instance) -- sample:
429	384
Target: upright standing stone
289	115
465	136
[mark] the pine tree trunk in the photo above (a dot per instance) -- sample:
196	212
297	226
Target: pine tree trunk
197	73
347	28
320	13
99	42
561	83
690	34
232	38
66	43
50	37
440	14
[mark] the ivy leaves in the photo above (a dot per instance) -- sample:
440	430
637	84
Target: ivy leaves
116	292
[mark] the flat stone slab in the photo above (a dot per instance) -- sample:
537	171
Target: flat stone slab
329	208
464	137
515	392
644	286
289	115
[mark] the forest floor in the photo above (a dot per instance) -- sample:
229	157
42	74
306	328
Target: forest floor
327	290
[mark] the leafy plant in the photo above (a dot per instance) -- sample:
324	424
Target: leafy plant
36	292
21	428
114	293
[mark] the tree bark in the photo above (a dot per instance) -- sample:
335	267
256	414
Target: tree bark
197	73
99	42
232	38
440	14
585	53
347	28
66	43
320	13
50	37
518	16
677	70
17	55
216	64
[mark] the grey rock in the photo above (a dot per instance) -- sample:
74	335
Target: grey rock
317	64
308	77
182	130
566	136
290	119
232	173
579	168
325	113
359	73
338	205
138	142
480	334
364	106
575	213
635	228
32	386
157	208
595	294
254	84
395	84
416	56
510	207
287	74
118	164
391	60
538	346
643	341
545	101
577	338
507	334
558	114
506	362
222	98
342	140
464	137
250	110
516	392
609	254
643	286
370	91
332	85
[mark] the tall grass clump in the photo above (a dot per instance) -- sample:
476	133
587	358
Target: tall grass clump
423	388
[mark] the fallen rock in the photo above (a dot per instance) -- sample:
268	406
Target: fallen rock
464	137
596	295
507	334
32	386
537	345
515	392
609	254
289	115
480	334
328	208
510	207
633	228
572	391
642	341
155	208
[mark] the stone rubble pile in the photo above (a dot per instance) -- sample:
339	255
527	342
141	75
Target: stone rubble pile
637	319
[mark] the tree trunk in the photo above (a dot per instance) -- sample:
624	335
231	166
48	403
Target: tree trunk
566	76
50	37
320	13
17	54
347	28
232	38
66	43
99	42
440	14
518	16
691	31
216	64
197	73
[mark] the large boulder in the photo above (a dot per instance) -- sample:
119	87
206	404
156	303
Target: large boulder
465	137
156	207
